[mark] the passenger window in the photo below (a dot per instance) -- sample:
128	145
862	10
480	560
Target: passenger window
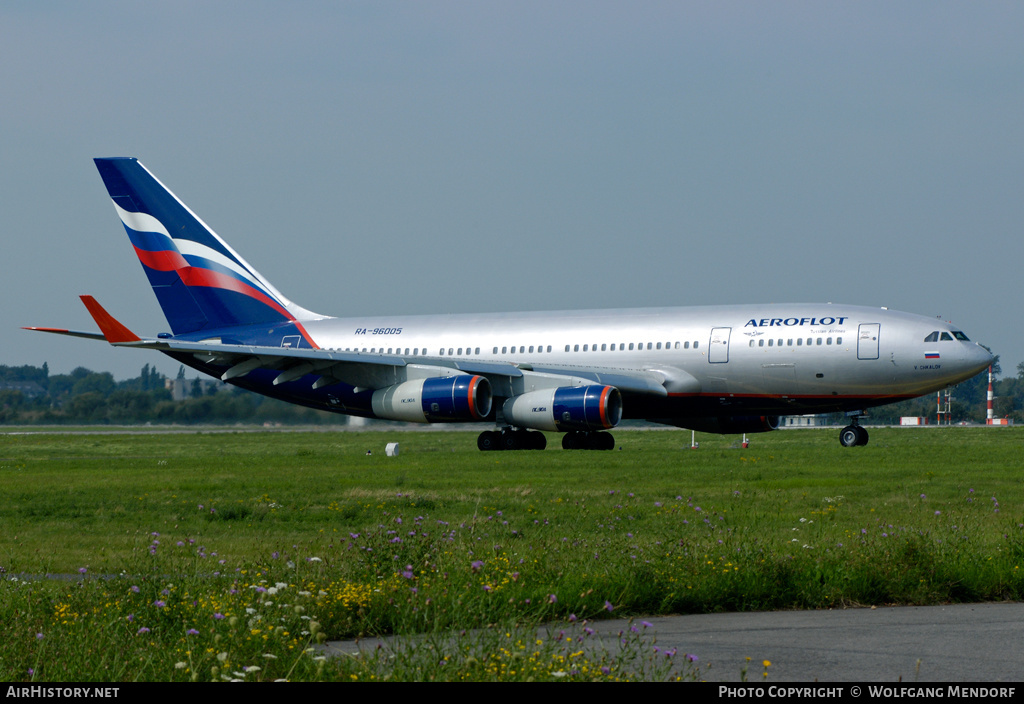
839	340
586	348
531	349
576	348
760	343
771	343
799	341
603	347
567	348
686	345
549	348
630	346
695	345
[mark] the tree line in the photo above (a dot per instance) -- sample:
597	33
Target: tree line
30	394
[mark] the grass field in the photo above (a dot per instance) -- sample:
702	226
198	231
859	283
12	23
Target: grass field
187	546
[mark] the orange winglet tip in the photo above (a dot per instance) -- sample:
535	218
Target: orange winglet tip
111	328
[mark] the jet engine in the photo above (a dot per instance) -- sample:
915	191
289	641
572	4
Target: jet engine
729	425
462	397
566	408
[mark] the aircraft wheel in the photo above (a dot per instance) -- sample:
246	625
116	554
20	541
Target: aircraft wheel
601	441
488	440
863	436
537	440
850	436
510	440
571	441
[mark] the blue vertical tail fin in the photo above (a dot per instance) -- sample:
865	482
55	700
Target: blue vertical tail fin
200	282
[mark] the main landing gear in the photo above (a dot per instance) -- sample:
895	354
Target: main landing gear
579	440
853	435
509	439
521	439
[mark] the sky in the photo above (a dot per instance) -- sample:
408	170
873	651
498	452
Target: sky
432	157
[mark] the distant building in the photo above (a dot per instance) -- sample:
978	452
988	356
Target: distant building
182	388
28	389
807	421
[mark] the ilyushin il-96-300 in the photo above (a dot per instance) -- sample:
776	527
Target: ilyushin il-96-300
724	369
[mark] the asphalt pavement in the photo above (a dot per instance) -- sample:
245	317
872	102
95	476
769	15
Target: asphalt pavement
957	643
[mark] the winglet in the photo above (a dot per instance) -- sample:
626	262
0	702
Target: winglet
112	329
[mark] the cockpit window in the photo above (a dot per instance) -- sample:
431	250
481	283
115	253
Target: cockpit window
934	337
946	336
960	336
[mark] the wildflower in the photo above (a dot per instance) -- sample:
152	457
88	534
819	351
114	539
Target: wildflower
141	631
191	632
476	565
552	598
159	603
608	606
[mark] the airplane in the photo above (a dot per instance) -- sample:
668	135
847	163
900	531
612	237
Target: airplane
720	369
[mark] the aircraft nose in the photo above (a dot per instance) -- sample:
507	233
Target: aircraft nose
980	358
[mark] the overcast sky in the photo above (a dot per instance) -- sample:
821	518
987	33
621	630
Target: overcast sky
420	157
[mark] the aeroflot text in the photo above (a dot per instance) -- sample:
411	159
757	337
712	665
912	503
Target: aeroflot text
788	322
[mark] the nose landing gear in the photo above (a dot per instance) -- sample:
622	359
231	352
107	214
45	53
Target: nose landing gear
853	435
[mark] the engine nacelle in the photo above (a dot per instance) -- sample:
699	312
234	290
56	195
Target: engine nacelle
729	425
566	408
462	397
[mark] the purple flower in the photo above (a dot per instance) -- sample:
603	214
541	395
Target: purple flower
191	632
608	606
82	570
218	616
159	603
141	631
476	565
552	598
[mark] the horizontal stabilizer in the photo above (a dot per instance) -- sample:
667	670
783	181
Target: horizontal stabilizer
72	333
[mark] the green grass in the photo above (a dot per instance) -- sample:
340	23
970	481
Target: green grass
444	537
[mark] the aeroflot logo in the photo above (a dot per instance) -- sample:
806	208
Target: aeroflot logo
787	322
